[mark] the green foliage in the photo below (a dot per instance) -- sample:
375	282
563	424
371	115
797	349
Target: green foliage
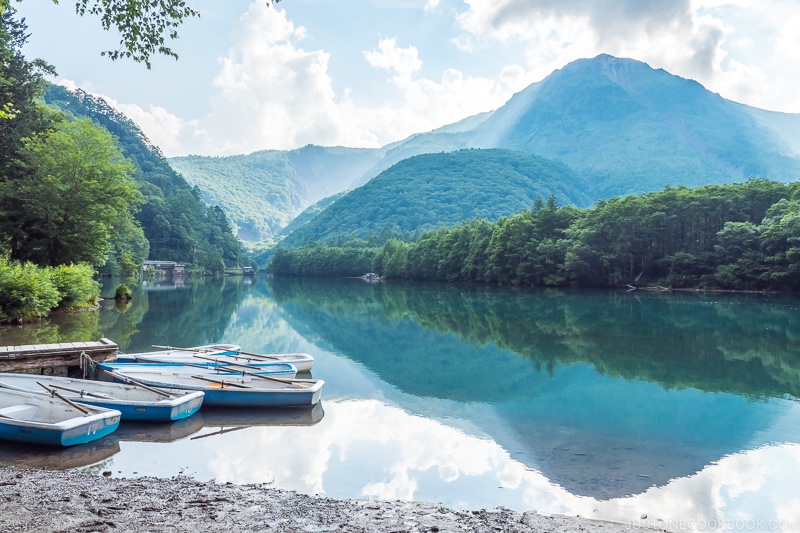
322	261
744	236
76	191
143	26
434	190
263	191
75	286
26	291
122	292
21	85
177	224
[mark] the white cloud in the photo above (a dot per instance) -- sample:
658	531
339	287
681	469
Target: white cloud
734	47
271	93
403	61
430	5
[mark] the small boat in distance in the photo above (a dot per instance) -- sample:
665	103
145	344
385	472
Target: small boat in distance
243	389
52	419
302	361
132	401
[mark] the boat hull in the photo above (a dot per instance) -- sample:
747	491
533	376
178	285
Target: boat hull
132	402
39	419
234	390
282	370
303	362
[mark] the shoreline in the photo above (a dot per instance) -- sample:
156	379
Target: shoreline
68	500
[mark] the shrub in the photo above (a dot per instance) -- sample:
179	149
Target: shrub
122	293
26	291
76	286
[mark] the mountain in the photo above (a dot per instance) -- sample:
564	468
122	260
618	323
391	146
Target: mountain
262	192
431	190
618	125
627	128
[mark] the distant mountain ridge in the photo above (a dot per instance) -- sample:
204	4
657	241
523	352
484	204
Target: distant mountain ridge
263	191
627	128
618	125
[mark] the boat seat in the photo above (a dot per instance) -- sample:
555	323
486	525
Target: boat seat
19	411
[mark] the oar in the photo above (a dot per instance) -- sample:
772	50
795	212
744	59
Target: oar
222	383
86	412
263	356
196	350
281	357
129	381
228	363
228	367
82	393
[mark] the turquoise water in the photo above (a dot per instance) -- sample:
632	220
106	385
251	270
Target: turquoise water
611	405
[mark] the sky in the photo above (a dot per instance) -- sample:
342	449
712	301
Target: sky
365	73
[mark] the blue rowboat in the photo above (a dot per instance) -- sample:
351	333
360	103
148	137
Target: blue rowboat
134	402
221	352
53	420
282	370
244	389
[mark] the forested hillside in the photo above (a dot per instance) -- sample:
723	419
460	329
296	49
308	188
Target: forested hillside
176	222
741	237
262	192
433	190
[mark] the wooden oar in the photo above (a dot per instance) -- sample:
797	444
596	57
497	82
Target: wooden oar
82	393
195	350
228	366
86	412
129	381
263	356
223	383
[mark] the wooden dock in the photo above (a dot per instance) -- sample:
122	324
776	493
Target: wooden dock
55	355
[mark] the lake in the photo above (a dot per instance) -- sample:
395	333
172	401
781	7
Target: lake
677	411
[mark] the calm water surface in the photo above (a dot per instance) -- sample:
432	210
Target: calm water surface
611	405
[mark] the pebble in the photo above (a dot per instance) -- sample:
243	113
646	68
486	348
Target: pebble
182	504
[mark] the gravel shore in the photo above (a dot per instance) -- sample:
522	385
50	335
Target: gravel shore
71	501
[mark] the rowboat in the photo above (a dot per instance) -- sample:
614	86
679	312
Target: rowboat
54	420
302	361
282	370
134	402
244	389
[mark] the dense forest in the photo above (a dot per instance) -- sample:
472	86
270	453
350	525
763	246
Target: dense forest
82	191
176	222
741	237
433	190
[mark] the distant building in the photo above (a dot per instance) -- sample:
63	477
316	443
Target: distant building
248	271
167	267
